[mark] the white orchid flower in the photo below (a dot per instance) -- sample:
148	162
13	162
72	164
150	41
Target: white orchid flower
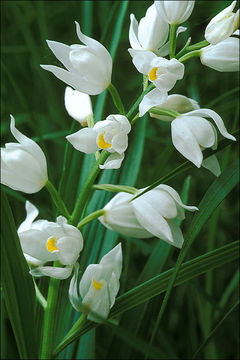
174	12
192	133
98	287
151	32
89	66
78	105
155	98
23	164
110	135
161	72
45	241
222	25
223	57
151	214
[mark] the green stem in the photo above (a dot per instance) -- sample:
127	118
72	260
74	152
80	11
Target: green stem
172	40
190	55
49	321
198	45
163	111
72	333
94	215
130	113
57	199
116	99
81	201
135	119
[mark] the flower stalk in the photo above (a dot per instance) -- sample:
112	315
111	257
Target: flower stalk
116	99
163	111
57	199
172	40
194	53
90	218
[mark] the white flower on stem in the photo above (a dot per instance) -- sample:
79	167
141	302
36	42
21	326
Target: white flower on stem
98	287
78	105
222	25
192	133
45	241
110	135
23	164
154	98
151	32
161	72
89	66
151	214
223	57
174	12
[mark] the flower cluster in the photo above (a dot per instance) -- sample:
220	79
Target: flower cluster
142	213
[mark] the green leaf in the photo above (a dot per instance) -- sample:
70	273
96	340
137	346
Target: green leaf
18	287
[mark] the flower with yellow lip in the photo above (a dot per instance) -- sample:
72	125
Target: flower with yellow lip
44	241
98	286
110	135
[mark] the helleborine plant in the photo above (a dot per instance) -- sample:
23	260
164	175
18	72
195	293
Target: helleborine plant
45	241
222	25
89	66
78	105
223	57
151	32
151	214
174	12
23	164
98	287
161	72
110	135
192	133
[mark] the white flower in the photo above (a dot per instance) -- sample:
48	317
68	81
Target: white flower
175	12
23	164
151	32
99	286
222	25
161	72
49	241
223	56
191	133
109	134
78	105
176	102
151	214
89	66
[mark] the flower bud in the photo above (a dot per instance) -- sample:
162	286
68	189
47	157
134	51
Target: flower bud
78	105
174	12
23	165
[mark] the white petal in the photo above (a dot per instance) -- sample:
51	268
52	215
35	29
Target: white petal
114	258
124	124
114	161
201	129
92	271
133	31
211	163
176	234
142	60
120	142
113	288
161	201
61	51
55	272
78	105
69	249
155	97
84	140
98	302
74	297
32	213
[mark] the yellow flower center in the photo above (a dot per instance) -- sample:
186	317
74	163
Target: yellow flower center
102	143
51	244
153	74
97	285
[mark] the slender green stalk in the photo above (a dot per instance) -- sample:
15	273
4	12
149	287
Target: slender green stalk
163	111
137	102
49	321
135	119
172	40
116	99
81	201
57	199
94	215
195	53
41	299
198	45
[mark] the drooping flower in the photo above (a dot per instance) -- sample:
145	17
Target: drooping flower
192	133
98	287
161	72
151	214
151	32
174	12
110	135
78	105
222	25
223	57
89	66
23	164
45	241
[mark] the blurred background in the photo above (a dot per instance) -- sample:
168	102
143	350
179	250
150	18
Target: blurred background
36	99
